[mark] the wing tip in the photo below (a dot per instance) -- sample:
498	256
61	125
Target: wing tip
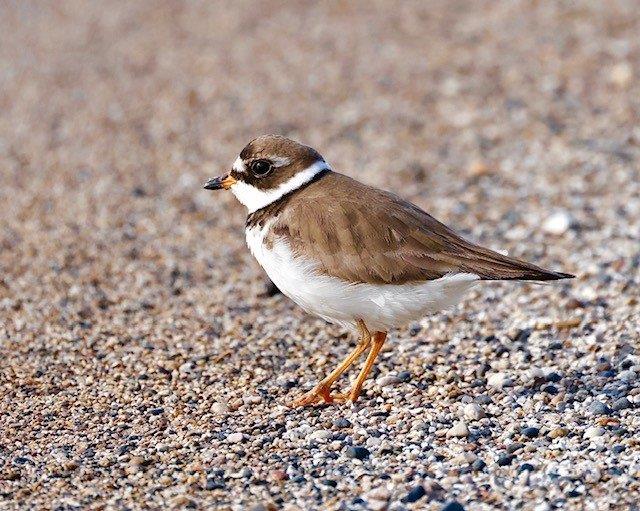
544	275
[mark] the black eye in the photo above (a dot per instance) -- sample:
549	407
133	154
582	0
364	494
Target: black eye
261	167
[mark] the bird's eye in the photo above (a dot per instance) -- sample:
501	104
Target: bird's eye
261	167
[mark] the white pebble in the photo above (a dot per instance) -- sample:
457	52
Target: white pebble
388	380
321	434
558	223
235	438
473	411
219	408
593	432
459	430
627	376
498	380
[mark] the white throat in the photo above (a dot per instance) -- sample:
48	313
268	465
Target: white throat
254	198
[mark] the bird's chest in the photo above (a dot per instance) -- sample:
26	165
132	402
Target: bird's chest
293	276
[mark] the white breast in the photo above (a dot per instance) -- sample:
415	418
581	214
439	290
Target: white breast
380	306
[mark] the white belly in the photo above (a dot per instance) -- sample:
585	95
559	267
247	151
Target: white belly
381	307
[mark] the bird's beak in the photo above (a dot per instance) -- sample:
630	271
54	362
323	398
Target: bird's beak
216	183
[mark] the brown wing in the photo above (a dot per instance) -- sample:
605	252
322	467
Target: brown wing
362	234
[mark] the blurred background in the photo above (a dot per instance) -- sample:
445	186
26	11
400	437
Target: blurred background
515	122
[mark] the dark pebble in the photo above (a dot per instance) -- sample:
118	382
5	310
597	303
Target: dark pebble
404	376
359	453
505	460
342	423
555	345
478	465
414	330
599	408
551	389
453	506
573	494
621	404
526	466
608	374
554	377
617	449
213	484
330	482
483	399
626	364
523	335
156	411
415	494
514	447
531	432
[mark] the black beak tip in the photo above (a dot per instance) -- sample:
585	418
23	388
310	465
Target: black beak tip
213	184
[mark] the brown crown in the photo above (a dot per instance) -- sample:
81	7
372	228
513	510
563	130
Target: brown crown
275	149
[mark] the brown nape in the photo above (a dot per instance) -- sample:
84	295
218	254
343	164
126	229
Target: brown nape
360	234
270	146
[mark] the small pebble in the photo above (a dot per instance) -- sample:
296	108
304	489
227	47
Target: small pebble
342	423
558	432
526	467
531	432
593	432
505	460
219	408
388	380
478	465
473	411
357	452
599	408
459	430
621	404
498	380
511	448
415	494
453	506
558	223
235	438
621	74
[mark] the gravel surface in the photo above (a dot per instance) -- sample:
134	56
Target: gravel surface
142	366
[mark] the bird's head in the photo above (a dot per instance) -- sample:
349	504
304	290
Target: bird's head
269	167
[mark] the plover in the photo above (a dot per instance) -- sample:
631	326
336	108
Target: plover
350	253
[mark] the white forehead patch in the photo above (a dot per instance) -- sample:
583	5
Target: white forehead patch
254	198
239	165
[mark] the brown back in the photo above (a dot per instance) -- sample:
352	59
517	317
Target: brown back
362	234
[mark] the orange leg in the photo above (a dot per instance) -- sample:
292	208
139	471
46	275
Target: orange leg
322	391
376	346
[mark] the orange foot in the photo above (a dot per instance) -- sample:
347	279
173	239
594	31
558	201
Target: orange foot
318	395
321	395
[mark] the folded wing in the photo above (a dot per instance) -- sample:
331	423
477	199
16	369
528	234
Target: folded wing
362	234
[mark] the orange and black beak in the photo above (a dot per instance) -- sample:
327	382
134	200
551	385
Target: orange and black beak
216	183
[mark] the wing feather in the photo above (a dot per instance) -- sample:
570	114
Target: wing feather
362	234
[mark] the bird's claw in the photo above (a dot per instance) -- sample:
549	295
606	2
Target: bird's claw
320	395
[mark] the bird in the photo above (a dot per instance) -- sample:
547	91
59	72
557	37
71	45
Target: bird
352	254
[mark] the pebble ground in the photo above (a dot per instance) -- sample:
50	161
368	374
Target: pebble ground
141	367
